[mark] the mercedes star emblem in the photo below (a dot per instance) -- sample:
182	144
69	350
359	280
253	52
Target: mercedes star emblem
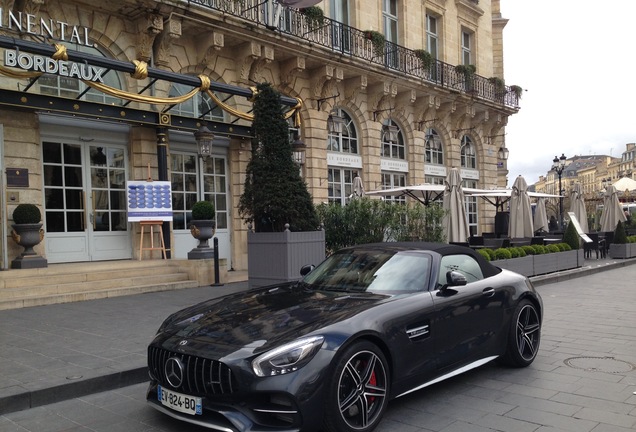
174	371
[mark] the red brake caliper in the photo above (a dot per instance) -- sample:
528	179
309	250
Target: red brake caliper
373	382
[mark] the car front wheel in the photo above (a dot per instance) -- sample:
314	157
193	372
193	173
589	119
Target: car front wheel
358	393
524	335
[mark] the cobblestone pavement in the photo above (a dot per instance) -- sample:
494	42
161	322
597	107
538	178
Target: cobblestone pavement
584	379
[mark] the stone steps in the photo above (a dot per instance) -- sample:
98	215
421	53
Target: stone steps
62	283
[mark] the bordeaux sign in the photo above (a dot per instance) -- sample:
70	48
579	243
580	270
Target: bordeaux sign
37	63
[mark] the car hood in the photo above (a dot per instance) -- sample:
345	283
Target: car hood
257	320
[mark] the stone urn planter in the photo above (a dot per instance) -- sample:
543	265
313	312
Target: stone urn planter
27	232
202	227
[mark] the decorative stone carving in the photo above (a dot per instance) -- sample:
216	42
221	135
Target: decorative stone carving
164	40
291	68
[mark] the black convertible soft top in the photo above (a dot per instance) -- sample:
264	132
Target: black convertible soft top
487	269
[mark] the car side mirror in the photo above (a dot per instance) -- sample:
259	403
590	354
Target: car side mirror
306	269
455	278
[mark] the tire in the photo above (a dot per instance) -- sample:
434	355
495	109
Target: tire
359	390
524	335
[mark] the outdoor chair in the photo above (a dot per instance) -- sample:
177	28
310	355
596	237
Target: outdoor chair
597	244
608	236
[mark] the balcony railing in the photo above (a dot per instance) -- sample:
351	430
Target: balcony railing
352	42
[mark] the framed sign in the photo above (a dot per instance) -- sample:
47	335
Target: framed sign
17	177
149	200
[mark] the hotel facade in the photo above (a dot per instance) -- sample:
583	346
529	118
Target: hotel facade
96	95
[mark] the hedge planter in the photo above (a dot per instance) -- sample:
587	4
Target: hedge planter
622	251
275	257
545	263
567	259
522	265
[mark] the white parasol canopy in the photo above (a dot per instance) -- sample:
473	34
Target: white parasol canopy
540	220
358	187
625	184
612	210
577	206
520	211
454	221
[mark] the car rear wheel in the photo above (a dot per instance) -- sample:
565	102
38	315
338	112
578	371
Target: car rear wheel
524	336
358	393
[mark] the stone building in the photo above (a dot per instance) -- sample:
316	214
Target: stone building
98	94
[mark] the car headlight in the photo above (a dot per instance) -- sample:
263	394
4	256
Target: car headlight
287	358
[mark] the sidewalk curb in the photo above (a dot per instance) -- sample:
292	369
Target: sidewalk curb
578	272
58	393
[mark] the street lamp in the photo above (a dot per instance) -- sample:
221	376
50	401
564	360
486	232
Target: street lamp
558	165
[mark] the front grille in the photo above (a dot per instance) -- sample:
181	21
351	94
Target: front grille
202	377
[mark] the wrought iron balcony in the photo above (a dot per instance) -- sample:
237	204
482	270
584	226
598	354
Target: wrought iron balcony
345	40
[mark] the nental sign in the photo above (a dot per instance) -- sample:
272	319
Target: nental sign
38	63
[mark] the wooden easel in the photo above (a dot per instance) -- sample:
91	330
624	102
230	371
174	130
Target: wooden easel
152	225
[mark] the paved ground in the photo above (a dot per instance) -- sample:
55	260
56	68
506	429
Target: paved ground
582	380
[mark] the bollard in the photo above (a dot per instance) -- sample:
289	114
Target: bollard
216	263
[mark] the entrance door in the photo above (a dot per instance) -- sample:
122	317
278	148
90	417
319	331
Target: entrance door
196	180
85	200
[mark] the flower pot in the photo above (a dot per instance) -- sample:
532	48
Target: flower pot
28	236
202	230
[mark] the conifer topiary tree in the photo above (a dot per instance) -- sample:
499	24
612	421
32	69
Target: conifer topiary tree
571	237
620	236
275	193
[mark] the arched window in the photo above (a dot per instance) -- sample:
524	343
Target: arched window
469	160
73	88
198	106
434	148
392	141
343	138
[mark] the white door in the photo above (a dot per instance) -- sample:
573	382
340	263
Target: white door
84	197
196	180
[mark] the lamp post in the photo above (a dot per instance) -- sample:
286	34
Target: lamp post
558	165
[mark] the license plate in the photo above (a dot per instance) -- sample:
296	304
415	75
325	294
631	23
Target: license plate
179	401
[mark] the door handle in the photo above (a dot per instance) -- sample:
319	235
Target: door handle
488	292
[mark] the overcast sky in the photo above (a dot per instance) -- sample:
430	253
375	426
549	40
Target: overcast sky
577	62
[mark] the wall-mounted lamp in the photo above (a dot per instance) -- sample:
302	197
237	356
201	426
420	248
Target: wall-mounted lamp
420	124
335	123
320	101
503	153
298	150
392	131
204	137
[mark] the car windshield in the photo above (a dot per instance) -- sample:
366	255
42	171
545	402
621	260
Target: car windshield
371	271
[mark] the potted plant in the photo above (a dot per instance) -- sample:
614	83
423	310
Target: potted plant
27	232
516	90
467	72
499	86
202	227
620	247
425	57
275	201
377	40
313	15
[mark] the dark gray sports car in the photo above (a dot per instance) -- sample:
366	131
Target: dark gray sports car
369	324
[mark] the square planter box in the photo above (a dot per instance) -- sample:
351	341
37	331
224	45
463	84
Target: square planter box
275	257
622	251
546	263
580	257
521	265
567	259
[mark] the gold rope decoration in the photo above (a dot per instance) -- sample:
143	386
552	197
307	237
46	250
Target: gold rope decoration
18	74
141	70
229	109
60	52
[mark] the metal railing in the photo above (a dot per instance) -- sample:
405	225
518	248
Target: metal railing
348	41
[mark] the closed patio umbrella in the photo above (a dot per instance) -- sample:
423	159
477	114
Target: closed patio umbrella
520	225
577	206
540	220
612	210
358	187
454	221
